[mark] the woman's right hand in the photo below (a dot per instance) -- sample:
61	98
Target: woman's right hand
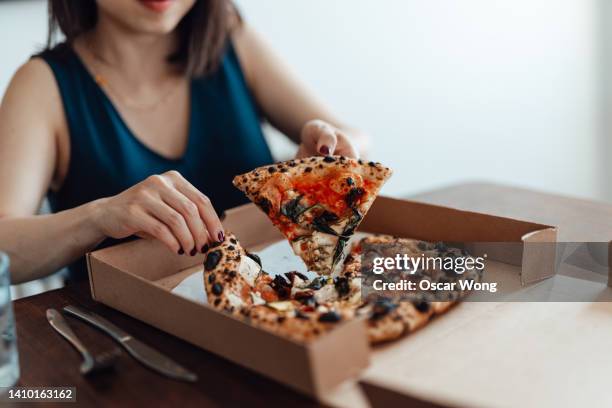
166	207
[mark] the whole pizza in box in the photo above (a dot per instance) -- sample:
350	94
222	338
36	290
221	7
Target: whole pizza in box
317	203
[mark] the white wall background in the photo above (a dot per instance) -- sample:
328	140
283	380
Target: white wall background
504	90
605	79
23	31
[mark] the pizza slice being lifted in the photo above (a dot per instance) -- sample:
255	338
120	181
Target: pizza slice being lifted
316	202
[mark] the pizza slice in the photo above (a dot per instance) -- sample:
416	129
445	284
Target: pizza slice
391	315
316	202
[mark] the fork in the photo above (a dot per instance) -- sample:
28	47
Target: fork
91	364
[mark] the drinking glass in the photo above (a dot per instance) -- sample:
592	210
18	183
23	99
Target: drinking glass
9	359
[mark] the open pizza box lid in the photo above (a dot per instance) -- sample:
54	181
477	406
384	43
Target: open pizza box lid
137	277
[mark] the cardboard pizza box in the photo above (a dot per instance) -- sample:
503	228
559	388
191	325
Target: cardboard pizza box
137	278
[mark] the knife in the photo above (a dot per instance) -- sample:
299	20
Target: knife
151	358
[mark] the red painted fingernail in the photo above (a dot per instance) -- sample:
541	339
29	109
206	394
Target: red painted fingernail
193	252
205	248
181	252
221	236
324	150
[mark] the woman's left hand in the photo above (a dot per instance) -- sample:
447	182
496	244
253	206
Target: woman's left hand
322	138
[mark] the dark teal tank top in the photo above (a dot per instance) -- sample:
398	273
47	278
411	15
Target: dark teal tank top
225	138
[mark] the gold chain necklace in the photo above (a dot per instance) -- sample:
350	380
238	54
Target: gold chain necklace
104	83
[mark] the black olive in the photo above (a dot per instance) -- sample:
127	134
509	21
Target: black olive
280	319
342	286
211	278
330	317
354	195
349	181
291	276
305	297
217	301
421	306
292	164
280	281
212	260
254	257
281	287
233	241
307	169
381	308
217	289
317	283
271	169
372	164
441	246
311	301
230	248
265	205
329	159
301	315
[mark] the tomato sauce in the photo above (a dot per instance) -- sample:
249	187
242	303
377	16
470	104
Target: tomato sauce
317	190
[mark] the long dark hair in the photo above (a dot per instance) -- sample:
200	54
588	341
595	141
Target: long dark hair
203	32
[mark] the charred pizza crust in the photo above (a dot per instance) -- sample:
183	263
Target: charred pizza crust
233	278
290	305
316	202
390	317
294	320
301	309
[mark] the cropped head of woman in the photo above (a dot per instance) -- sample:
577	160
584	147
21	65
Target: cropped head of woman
133	122
201	26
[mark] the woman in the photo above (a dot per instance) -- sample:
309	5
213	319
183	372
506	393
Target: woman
136	124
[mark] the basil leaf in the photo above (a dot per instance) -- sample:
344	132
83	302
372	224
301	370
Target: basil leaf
293	209
322	221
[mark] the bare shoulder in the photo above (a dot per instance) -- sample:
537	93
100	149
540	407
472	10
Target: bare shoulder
33	79
33	89
32	120
34	74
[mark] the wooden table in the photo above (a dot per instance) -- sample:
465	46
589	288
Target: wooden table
48	360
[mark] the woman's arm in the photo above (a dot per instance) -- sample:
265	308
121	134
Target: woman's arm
165	207
288	104
37	245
